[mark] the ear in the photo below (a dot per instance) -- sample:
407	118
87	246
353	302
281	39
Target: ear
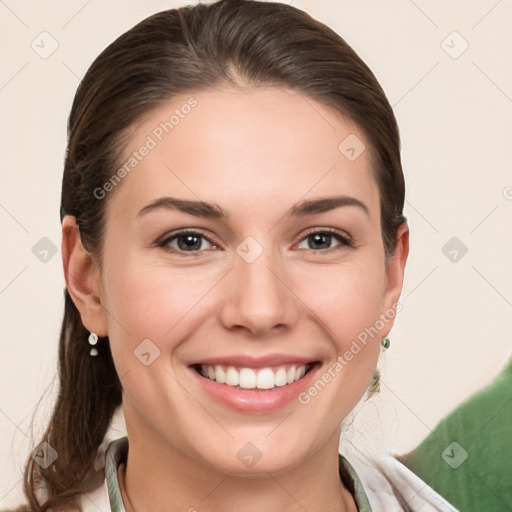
83	279
395	269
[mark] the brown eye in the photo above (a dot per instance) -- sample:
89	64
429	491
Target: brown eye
189	242
323	240
186	242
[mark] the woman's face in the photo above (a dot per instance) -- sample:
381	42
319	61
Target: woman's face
267	278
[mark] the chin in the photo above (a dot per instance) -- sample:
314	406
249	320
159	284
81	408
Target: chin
249	460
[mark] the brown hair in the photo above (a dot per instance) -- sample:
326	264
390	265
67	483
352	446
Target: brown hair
230	42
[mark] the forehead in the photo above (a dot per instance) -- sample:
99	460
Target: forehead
244	148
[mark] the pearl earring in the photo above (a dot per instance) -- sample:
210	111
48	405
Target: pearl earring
93	339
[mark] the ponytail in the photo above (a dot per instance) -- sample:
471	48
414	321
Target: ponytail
89	394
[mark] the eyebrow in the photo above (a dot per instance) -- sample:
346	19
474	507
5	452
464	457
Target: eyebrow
214	211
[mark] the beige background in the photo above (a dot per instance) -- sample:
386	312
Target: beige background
454	332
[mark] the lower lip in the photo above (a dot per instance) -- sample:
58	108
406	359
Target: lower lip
256	400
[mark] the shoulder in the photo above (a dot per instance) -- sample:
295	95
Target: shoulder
390	485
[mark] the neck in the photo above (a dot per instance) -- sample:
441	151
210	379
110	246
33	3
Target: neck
176	482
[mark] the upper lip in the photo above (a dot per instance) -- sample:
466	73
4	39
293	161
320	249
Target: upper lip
246	361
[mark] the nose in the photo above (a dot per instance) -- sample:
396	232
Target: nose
258	297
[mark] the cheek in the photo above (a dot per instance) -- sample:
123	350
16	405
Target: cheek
145	302
148	312
148	300
349	298
351	309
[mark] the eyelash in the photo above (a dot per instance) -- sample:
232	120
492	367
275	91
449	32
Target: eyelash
344	239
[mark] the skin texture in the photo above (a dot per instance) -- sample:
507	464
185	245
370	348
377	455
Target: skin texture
255	153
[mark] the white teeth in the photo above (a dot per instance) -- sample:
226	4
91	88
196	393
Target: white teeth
232	377
266	379
280	379
220	375
248	378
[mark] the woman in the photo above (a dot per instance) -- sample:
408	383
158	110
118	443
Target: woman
234	250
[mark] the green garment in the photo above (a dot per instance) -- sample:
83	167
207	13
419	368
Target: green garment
467	458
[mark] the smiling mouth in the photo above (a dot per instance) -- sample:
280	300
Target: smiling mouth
254	378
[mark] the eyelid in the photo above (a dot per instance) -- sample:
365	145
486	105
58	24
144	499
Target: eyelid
344	238
164	240
332	231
